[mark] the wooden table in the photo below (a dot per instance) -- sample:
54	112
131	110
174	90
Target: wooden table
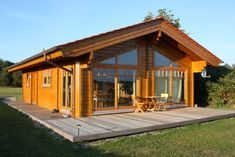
152	102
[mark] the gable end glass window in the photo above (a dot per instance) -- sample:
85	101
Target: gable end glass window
115	85
169	78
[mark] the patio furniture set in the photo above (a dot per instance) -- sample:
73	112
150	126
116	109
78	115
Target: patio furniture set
152	103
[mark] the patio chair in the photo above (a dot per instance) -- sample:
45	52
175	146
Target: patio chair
139	105
164	101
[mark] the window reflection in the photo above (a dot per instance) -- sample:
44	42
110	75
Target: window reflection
162	82
104	88
126	87
162	61
129	58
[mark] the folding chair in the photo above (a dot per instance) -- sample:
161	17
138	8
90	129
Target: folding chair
139	105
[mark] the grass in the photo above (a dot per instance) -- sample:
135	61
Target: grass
20	136
10	91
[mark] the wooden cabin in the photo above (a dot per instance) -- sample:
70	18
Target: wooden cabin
104	72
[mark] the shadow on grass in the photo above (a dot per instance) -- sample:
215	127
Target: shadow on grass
20	136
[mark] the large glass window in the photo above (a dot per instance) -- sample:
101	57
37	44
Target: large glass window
109	61
178	86
169	79
162	82
129	58
104	88
115	86
162	61
126	87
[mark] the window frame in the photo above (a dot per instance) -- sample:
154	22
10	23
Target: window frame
28	77
47	78
171	72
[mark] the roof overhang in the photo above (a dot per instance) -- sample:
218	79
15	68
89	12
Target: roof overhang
94	43
37	59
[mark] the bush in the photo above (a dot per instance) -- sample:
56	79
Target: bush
222	92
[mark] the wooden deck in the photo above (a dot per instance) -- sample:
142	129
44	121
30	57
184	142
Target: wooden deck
106	126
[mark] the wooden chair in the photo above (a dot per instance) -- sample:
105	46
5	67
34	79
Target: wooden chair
163	101
139	105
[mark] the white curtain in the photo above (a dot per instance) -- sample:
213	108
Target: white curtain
177	89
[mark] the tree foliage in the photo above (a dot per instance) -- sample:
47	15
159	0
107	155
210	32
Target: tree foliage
222	92
9	79
167	14
219	89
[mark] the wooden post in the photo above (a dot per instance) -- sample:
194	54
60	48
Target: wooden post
57	88
78	90
116	92
91	101
192	88
186	87
147	83
138	86
73	91
171	81
153	82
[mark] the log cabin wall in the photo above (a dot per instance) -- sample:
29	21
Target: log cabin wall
142	67
86	106
26	87
47	95
150	72
34	92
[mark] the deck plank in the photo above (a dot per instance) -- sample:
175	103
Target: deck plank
106	126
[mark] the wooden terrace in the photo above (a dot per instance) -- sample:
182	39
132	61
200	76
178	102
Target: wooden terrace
106	126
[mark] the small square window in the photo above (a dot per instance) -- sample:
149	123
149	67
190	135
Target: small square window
46	78
28	77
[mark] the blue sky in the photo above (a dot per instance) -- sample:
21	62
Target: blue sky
28	26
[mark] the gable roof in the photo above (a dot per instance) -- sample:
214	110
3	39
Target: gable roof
92	43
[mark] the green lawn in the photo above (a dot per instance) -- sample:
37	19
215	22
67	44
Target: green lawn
10	91
20	136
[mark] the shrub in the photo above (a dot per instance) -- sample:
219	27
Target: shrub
222	92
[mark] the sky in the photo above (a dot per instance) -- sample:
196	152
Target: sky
28	26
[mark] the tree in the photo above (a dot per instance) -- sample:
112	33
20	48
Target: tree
9	79
168	15
149	16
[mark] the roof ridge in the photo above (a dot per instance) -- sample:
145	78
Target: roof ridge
111	31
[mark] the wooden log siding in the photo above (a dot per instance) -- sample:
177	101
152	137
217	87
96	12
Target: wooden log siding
142	68
87	106
150	66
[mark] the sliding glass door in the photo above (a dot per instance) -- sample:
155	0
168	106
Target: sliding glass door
104	88
126	87
169	78
115	81
162	82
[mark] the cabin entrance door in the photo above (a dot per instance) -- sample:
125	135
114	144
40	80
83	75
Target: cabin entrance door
67	83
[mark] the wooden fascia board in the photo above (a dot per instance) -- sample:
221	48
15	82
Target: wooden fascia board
179	38
112	41
41	59
198	66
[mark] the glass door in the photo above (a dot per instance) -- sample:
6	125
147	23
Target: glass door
66	90
126	87
104	88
